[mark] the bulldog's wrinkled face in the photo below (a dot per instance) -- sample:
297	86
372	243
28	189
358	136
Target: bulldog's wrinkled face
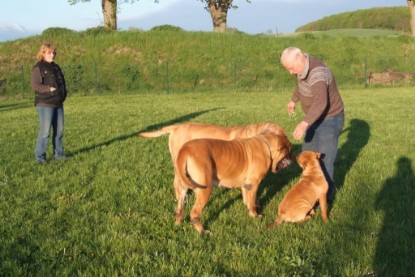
287	158
282	155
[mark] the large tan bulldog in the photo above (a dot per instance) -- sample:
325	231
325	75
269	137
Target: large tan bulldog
182	133
239	163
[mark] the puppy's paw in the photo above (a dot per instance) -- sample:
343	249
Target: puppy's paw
254	214
272	225
206	233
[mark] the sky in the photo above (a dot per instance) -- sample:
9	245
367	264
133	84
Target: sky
23	18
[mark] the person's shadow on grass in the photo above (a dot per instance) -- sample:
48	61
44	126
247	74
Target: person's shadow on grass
395	249
357	138
180	119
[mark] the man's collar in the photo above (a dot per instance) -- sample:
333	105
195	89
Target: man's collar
306	68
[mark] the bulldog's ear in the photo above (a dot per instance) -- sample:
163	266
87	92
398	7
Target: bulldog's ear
274	161
274	165
276	157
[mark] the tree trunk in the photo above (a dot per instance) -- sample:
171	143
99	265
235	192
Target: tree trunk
411	6
219	12
109	11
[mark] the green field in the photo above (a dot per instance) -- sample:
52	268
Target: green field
108	209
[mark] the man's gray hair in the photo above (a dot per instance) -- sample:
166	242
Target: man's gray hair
291	52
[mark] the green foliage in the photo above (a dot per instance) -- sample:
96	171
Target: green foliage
169	59
108	209
167	28
405	39
308	36
74	74
100	30
57	31
131	75
392	18
233	30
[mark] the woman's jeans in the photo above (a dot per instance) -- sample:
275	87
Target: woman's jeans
323	137
49	117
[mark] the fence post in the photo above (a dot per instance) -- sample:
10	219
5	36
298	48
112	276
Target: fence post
96	77
166	82
234	76
366	71
22	79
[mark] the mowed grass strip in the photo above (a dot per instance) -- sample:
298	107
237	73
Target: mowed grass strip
109	208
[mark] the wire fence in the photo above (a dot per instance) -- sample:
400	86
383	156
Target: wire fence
173	77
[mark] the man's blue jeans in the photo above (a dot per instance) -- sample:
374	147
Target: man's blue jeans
323	137
49	117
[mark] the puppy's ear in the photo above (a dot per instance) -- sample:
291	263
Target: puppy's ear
304	164
318	155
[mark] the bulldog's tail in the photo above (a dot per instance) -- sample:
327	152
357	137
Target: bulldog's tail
183	173
154	134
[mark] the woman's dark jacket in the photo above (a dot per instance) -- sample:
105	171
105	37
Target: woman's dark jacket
44	76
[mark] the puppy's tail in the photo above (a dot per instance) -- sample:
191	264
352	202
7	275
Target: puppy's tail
154	134
183	173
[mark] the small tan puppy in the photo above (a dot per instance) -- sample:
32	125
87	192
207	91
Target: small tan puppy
297	205
239	163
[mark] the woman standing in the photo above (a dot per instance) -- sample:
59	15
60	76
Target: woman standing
48	83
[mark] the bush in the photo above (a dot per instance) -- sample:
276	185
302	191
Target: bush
74	77
98	31
308	36
57	31
167	27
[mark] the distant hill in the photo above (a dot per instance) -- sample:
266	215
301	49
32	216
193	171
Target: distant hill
393	18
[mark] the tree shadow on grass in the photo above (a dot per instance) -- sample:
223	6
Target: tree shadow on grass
180	119
14	106
395	250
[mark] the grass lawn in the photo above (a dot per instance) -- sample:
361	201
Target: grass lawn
108	209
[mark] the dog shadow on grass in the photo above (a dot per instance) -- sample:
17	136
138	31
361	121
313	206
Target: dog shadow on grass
358	134
270	185
274	182
395	254
180	119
